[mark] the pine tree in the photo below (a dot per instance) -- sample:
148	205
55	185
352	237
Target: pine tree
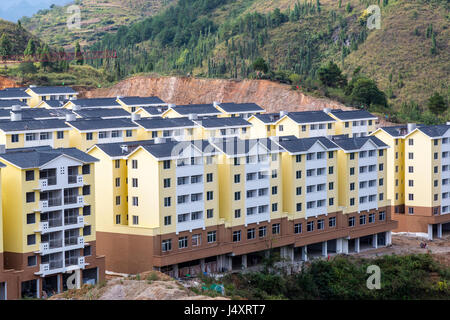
78	54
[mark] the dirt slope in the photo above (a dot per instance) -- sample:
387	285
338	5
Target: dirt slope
181	90
7	83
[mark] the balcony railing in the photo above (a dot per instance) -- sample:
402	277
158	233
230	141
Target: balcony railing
75	179
73	241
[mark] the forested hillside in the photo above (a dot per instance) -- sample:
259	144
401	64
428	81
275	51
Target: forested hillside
289	40
13	38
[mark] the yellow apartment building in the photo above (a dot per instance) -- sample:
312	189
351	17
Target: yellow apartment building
353	123
263	125
132	104
150	112
243	110
175	128
214	127
39	94
48	206
201	110
306	124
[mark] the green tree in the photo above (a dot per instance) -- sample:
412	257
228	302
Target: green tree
331	76
436	104
5	47
46	58
366	92
348	7
260	65
30	49
78	54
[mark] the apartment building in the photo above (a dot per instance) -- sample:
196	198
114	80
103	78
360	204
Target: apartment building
102	113
353	123
243	110
420	178
14	95
39	94
150	112
176	128
201	110
51	104
49	219
210	127
305	124
20	133
263	125
87	132
132	104
77	104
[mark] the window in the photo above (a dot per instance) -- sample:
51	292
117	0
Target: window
262	231
303	128
331	201
381	215
352	156
351	221
196	240
87	210
32	261
280	128
129	133
135	220
251	234
298	158
182	242
117	200
167	220
297	228
14	138
362	219
209	213
347	124
166	182
166	245
117	218
330	170
236	236
274	190
87	231
352	171
134	164
411	196
371	217
274	207
87	251
381	197
237	196
31	218
310	226
298	191
237	213
86	190
89	136
274	173
86	169
320	224
236	161
352	201
31	239
332	222
299	206
209	177
331	186
29	175
411	142
135	201
352	186
167	202
298	174
237	178
276	228
212	236
166	164
30	197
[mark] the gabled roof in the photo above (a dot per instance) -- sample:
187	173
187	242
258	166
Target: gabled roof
102	113
231	122
352	114
156	123
435	131
14	102
94	124
309	117
395	131
356	143
41	113
141	101
294	145
117	150
14	93
43	91
268	118
28	125
240	107
172	149
26	158
155	111
54	103
237	147
97	103
199	109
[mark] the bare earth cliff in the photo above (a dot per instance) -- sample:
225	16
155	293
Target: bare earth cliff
270	95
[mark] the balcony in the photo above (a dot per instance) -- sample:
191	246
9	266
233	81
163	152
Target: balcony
74	263
72	243
56	224
47	183
78	180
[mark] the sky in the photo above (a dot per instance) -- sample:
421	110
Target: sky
13	10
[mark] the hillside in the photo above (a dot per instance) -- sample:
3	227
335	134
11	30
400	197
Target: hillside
17	36
98	17
409	56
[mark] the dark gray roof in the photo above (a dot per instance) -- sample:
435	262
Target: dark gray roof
293	144
396	131
40	113
102	112
97	124
36	157
198	109
53	90
116	150
349	144
435	131
352	114
10	103
14	93
241	107
56	103
235	146
5	113
268	118
213	122
11	126
141	101
163	123
174	148
310	117
97	103
156	111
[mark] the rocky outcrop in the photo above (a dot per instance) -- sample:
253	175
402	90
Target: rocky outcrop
7	83
272	96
